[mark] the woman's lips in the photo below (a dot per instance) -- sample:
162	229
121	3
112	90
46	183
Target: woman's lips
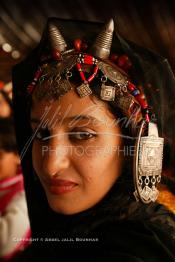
60	186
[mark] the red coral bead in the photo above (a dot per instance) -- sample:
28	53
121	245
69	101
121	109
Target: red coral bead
113	58
141	101
56	54
122	60
88	60
78	44
82	76
91	78
131	86
78	66
95	69
127	66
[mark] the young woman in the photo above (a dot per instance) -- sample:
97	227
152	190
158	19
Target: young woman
91	151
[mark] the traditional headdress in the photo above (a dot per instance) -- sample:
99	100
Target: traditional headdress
56	66
52	79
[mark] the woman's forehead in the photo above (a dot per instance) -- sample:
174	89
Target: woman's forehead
72	103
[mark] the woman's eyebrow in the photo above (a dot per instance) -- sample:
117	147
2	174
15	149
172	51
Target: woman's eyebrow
82	117
70	118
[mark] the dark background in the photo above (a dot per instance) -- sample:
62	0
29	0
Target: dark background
148	23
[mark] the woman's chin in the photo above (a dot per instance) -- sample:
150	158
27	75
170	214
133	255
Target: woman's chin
64	209
68	206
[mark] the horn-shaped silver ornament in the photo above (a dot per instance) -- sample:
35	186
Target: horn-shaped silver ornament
56	39
102	45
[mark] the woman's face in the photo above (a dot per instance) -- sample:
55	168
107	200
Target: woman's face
76	151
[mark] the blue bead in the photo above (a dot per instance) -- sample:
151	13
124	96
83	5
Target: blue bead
135	92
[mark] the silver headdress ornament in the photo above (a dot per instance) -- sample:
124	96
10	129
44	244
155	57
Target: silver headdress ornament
56	39
102	45
148	164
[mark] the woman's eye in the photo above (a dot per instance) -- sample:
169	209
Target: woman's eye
42	133
81	135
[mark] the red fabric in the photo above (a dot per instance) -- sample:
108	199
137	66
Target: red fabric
19	247
9	187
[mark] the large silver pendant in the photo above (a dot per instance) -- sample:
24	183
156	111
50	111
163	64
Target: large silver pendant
107	92
148	164
84	90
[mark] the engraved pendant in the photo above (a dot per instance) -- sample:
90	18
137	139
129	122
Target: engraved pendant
107	92
145	193
150	155
125	102
113	74
148	164
84	90
149	194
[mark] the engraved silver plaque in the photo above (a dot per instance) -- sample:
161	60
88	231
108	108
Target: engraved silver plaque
114	75
148	164
150	155
84	90
107	92
124	102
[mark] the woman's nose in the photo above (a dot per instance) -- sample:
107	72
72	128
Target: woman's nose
55	157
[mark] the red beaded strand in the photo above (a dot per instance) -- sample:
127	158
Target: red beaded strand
35	80
93	75
87	60
139	97
122	61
